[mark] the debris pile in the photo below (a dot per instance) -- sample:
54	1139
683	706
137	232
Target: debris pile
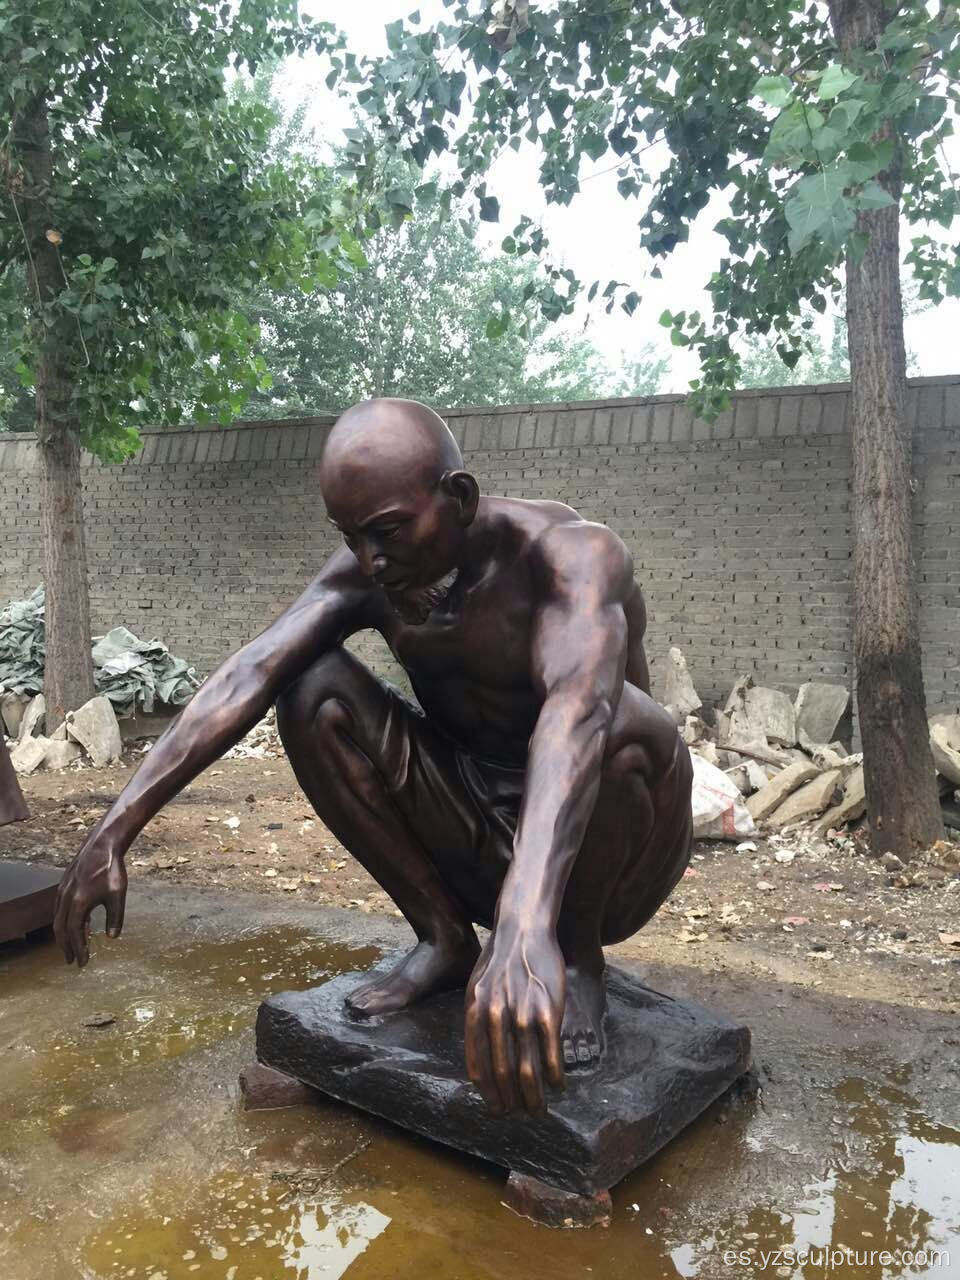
261	743
134	674
772	759
91	734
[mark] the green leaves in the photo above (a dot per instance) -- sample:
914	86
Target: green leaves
817	207
775	90
792	135
489	209
165	200
836	79
497	325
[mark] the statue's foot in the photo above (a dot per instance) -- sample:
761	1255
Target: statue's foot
581	1035
429	968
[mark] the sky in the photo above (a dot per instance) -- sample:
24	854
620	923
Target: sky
597	234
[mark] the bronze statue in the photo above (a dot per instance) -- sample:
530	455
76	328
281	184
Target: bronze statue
12	805
540	792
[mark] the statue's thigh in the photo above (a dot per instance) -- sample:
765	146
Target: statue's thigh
463	820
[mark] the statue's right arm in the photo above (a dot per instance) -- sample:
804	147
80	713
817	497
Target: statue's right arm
229	703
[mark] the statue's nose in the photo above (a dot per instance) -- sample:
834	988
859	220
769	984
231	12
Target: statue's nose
372	563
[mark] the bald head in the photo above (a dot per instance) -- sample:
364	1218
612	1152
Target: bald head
394	485
401	439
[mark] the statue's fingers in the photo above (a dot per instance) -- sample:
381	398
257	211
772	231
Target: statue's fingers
503	1051
528	1068
549	1027
114	904
60	930
77	931
477	1051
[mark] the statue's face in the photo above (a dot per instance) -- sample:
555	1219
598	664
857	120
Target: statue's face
404	536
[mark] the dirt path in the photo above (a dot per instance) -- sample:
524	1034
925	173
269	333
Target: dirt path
830	916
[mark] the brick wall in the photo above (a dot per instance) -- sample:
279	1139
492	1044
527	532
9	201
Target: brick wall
740	530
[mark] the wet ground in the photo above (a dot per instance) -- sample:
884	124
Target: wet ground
802	911
123	1152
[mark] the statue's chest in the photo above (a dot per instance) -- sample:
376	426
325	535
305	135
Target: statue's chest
482	640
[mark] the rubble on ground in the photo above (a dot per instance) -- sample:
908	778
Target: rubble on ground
768	760
261	743
89	735
134	674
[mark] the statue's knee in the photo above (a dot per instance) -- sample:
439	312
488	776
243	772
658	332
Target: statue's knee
628	760
314	700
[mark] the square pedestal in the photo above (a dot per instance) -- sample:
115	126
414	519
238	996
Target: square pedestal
665	1061
28	894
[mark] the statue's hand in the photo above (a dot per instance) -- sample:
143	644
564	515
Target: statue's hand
96	877
514	1012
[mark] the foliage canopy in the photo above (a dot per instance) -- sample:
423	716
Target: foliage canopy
751	98
158	202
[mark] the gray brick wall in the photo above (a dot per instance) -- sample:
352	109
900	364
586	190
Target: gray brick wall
740	529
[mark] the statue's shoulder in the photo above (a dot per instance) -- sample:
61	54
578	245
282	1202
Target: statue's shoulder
565	548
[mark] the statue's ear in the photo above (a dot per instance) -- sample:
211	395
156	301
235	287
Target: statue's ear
463	488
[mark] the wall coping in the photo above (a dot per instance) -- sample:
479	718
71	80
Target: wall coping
487	410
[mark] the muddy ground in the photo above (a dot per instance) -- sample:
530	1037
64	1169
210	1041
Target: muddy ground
830	917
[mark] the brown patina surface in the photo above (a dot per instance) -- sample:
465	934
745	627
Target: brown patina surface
538	790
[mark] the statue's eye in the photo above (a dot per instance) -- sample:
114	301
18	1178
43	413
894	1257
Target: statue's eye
389	532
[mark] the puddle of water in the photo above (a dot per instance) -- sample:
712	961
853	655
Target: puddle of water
887	1206
124	1155
208	991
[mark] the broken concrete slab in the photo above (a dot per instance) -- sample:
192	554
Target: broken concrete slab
853	805
738	723
679	691
94	726
772	796
739	777
945	746
60	753
694	730
808	801
33	717
29	754
771	711
707	751
729	759
819	709
757	775
831	755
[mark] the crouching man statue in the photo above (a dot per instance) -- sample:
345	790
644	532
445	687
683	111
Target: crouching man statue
540	792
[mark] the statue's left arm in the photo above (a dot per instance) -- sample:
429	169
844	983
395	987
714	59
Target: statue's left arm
579	653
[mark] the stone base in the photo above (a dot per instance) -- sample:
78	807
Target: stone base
552	1207
263	1089
28	895
665	1061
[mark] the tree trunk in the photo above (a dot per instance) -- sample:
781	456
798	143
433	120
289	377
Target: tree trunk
903	806
68	674
68	669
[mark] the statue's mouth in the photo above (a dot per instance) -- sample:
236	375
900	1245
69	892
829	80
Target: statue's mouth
415	605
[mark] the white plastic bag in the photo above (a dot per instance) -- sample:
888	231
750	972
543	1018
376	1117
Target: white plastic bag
718	809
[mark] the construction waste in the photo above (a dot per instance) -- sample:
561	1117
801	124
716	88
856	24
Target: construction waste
135	675
772	760
89	735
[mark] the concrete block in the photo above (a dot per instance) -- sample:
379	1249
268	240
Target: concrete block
94	726
771	797
819	708
29	754
808	801
32	719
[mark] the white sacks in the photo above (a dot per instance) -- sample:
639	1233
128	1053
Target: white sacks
718	809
